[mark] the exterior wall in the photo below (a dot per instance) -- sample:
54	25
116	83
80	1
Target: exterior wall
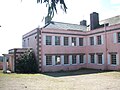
108	45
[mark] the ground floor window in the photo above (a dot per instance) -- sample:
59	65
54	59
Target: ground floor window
57	60
99	58
66	59
92	58
113	59
74	59
81	58
48	60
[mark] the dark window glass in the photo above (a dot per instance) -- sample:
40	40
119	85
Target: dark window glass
91	40
49	60
80	41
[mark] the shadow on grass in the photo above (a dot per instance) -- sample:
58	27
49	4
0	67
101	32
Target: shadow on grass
83	71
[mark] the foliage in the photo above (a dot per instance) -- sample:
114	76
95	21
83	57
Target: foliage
26	63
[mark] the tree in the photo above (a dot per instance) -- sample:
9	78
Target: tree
26	63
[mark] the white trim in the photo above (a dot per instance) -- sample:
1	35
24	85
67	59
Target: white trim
88	39
53	40
95	57
78	59
77	41
44	60
102	39
84	42
95	43
103	61
69	41
62	41
117	58
114	37
44	39
109	62
70	59
53	60
62	59
88	58
84	61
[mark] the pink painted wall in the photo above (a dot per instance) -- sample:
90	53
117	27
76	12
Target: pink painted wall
1	65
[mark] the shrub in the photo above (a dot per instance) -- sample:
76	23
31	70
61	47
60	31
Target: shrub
26	63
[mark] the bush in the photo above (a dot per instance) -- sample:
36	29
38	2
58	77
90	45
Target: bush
26	63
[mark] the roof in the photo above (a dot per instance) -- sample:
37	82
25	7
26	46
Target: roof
112	21
66	26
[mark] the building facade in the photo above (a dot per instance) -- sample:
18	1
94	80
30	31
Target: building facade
72	48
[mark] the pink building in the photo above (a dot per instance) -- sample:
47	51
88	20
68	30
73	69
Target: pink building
63	46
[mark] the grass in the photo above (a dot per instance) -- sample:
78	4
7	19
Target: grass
83	79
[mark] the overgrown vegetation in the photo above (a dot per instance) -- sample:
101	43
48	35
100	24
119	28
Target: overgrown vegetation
26	63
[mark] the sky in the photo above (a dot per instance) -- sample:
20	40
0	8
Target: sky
18	18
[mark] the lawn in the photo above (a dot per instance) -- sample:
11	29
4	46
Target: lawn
84	79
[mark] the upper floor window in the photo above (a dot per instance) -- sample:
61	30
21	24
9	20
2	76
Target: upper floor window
73	41
99	41
66	41
57	40
80	41
48	40
91	40
118	37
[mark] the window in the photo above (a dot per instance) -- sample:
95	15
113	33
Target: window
66	59
119	37
99	58
73	41
57	40
81	58
99	42
66	41
92	59
49	60
113	59
80	41
48	40
73	59
57	60
91	40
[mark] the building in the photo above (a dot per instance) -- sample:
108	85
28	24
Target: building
63	46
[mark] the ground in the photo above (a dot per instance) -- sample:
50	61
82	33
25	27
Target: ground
84	79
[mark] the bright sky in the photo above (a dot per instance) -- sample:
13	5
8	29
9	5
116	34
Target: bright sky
18	18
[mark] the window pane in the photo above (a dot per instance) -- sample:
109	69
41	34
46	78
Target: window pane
99	59
66	59
57	40
92	58
119	37
57	60
66	41
91	40
113	59
73	59
81	58
73	41
48	40
98	40
48	60
80	41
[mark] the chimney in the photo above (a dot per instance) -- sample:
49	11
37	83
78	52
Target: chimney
94	20
83	22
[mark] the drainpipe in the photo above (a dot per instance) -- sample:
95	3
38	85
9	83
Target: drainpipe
106	67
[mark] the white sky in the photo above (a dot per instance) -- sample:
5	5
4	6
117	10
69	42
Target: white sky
18	18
